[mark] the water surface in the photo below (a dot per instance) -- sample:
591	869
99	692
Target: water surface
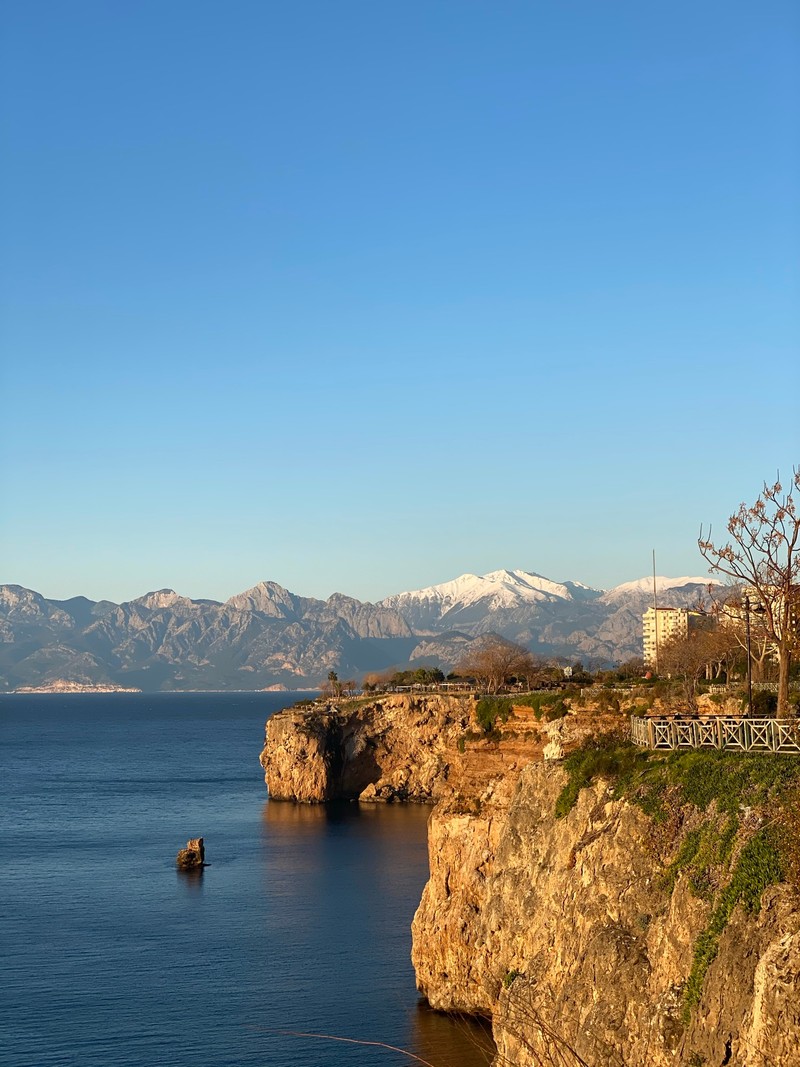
112	957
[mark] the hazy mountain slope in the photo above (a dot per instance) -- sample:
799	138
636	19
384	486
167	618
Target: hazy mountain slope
268	635
261	637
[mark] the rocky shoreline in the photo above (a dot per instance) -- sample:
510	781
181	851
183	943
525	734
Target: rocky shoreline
563	930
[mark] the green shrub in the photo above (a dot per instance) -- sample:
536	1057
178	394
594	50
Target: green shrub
600	756
764	706
556	711
539	701
489	709
758	866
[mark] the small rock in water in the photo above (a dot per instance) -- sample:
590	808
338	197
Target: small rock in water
193	855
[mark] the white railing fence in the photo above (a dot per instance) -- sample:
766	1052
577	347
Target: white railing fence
716	731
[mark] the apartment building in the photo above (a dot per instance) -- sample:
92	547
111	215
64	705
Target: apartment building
660	625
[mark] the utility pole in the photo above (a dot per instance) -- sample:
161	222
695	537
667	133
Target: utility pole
655	608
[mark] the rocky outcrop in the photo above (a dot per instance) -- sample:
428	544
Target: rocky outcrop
395	747
193	856
564	932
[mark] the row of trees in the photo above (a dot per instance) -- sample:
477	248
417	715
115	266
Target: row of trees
392	678
491	663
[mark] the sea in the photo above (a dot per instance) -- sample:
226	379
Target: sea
298	926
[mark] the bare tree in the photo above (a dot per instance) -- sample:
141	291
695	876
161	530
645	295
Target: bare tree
764	553
701	653
733	616
493	660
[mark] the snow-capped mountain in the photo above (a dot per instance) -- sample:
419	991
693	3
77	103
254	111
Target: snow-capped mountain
469	601
564	618
644	586
268	635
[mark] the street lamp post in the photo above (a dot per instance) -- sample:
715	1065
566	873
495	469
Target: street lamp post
757	609
749	660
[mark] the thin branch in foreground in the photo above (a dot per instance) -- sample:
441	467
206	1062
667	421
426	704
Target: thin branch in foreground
348	1041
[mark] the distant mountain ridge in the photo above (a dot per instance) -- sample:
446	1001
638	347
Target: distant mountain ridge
267	636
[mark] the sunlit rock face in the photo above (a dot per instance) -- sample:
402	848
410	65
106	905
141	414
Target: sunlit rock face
393	748
563	931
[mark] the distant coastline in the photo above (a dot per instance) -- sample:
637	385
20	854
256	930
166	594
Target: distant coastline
74	687
63	687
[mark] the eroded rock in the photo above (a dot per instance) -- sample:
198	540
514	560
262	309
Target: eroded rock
192	856
565	933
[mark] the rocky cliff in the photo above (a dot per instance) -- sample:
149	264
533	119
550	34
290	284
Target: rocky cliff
613	935
395	747
565	933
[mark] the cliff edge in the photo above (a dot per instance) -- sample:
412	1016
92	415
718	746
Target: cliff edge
582	941
395	747
613	907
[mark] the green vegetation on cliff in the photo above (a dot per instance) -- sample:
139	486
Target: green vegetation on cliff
490	709
743	806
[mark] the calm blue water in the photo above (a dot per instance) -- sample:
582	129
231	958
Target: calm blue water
111	957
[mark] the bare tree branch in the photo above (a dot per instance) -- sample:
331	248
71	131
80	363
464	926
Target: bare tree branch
763	553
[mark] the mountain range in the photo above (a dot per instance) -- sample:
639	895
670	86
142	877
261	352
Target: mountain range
268	636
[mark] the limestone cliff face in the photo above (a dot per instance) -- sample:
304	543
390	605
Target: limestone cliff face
400	747
392	748
562	931
381	750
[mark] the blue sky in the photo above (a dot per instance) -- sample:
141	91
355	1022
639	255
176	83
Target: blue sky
360	296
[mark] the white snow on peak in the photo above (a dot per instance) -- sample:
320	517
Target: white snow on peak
500	589
161	598
526	581
645	585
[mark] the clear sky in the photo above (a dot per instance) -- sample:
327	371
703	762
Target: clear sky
360	296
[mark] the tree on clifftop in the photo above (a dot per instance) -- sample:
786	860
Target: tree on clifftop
764	554
702	652
495	660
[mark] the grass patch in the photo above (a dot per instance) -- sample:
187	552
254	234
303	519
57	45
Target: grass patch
703	853
721	785
600	756
759	866
491	710
659	783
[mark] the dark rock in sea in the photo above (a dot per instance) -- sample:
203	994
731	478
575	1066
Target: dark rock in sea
192	856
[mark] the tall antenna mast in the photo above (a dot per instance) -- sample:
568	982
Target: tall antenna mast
655	608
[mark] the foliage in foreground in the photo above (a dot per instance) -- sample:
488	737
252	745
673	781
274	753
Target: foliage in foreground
726	787
490	709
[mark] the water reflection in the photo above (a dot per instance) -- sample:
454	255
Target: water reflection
451	1040
404	822
343	881
191	878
